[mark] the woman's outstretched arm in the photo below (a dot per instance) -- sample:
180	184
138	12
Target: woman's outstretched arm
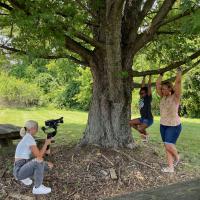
149	86
143	82
158	85
177	86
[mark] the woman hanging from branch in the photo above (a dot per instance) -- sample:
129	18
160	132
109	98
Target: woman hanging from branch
146	119
170	124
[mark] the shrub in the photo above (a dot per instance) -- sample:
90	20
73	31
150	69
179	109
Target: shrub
17	92
191	95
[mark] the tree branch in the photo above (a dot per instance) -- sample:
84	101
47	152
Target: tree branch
72	58
87	39
4	14
138	85
75	47
147	6
19	5
6	6
70	44
142	39
172	66
130	21
3	46
181	15
168	32
12	49
148	35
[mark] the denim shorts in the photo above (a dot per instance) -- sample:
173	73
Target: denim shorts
148	122
170	134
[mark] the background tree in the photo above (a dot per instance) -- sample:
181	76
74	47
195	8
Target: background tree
107	36
191	95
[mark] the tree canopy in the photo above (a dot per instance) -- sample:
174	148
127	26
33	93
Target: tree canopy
168	30
110	37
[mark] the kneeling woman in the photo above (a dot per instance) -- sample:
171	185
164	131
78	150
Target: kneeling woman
24	167
170	125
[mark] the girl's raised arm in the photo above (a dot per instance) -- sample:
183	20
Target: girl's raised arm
158	85
177	86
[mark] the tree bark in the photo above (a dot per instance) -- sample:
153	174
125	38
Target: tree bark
110	109
108	118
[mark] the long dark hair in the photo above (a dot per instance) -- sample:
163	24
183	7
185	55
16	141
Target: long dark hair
169	86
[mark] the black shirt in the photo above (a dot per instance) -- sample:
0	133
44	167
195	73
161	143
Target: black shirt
145	107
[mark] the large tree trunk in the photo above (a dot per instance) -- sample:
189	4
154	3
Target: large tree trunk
110	109
108	118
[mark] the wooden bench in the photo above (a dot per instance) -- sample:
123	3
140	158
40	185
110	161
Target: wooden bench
10	132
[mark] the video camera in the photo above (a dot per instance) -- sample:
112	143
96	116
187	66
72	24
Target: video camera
52	124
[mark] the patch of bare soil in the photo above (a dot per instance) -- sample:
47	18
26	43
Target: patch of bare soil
94	173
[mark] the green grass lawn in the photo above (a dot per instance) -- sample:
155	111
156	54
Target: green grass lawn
74	123
70	131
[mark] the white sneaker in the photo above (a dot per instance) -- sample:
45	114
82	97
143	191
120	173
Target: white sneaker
27	181
167	170
41	190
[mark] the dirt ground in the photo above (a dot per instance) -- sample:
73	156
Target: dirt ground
94	173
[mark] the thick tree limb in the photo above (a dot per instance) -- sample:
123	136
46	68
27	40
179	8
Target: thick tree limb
144	38
77	61
168	32
4	14
148	35
138	85
70	44
162	13
89	40
147	7
113	5
75	47
2	46
130	21
181	15
172	66
19	5
80	36
6	6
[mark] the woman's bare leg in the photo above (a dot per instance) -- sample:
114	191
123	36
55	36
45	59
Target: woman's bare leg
134	123
172	149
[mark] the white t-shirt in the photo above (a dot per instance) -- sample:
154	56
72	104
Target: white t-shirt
23	149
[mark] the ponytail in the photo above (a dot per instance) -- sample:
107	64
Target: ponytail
23	131
28	125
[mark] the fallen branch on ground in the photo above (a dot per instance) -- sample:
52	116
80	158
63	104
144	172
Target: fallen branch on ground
132	159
